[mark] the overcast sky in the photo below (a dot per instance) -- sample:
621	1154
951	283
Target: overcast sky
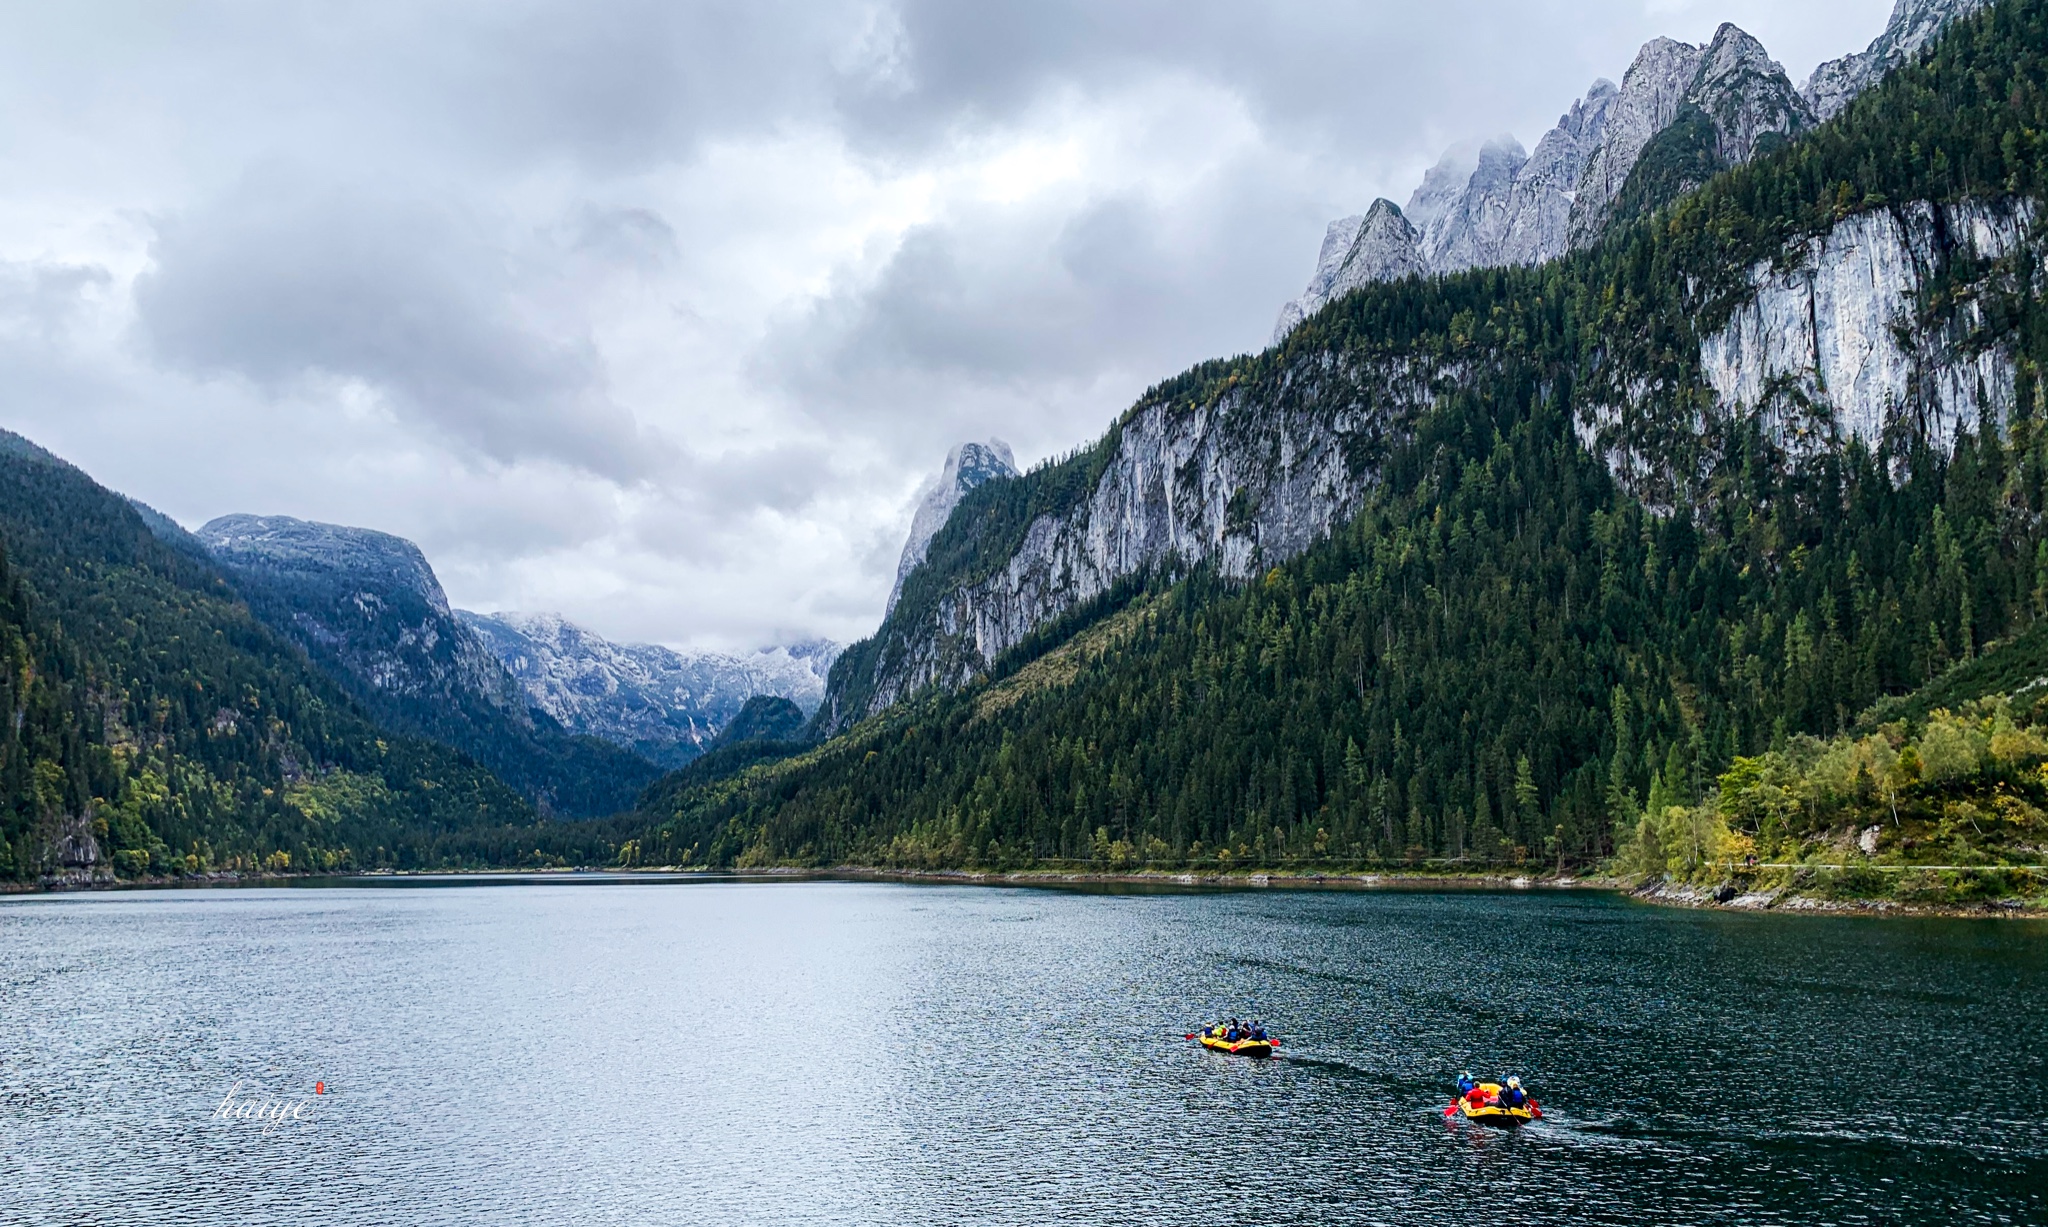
658	314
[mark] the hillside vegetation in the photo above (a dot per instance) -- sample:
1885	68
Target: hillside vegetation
1508	655
157	728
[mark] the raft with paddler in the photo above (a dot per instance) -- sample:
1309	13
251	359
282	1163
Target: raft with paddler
1502	1105
1244	1039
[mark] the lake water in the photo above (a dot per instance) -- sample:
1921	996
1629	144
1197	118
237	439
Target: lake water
859	1053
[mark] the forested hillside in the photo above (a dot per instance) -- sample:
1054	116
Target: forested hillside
158	728
1520	640
369	612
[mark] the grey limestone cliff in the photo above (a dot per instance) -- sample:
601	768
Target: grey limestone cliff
1839	338
1913	24
1380	246
1540	203
1236	481
1474	225
1651	92
967	466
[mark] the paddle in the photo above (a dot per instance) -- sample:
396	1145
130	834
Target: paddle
1452	1110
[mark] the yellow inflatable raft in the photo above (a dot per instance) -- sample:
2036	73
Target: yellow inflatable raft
1243	1048
1490	1112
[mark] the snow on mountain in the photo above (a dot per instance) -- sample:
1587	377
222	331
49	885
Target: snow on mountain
665	704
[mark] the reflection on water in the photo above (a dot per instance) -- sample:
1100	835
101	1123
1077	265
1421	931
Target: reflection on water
833	1053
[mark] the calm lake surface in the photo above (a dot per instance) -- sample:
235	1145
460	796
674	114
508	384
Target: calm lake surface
860	1053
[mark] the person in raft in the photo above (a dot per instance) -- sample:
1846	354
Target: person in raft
1513	1096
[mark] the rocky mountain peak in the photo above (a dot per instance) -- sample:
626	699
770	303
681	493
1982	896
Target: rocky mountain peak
1382	247
664	704
309	552
1747	95
1540	203
1442	184
967	466
1913	24
1472	227
1651	92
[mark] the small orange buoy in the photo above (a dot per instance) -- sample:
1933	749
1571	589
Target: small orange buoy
319	1088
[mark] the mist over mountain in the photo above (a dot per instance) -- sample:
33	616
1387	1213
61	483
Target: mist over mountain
665	705
1681	114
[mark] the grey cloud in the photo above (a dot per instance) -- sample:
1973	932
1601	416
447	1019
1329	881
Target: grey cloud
286	277
1062	316
43	300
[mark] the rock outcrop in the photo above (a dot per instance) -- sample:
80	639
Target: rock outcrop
967	466
369	599
1380	246
1840	338
1540	203
1748	97
1913	24
1473	227
663	704
1651	93
1237	481
1681	114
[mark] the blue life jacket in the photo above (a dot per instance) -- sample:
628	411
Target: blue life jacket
1513	1096
1465	1086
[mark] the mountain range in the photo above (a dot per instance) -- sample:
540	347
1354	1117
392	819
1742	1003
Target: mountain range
1681	114
1674	494
665	705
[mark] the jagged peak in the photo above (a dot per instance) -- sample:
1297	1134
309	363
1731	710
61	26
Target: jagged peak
1441	184
1913	24
968	465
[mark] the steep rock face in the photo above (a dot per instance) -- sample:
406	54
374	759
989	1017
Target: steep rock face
1383	247
1244	484
369	599
1442	184
1651	92
1836	340
1839	334
1747	95
967	466
1540	204
1474	226
664	704
1913	24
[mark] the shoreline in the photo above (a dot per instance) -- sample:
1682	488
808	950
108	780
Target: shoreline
1665	893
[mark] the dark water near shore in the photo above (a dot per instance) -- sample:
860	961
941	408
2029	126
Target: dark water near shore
860	1053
